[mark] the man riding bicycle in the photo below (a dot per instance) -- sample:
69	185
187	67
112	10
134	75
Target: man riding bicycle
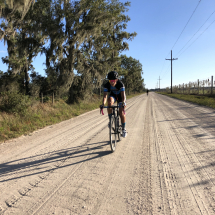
117	93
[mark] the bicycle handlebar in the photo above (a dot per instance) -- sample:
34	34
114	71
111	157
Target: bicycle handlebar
111	106
101	109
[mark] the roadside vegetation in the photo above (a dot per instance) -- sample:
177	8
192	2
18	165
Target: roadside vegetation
205	100
34	115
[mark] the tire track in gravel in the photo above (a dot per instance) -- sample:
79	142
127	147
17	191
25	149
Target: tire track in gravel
167	156
34	182
160	203
128	192
19	172
203	116
182	139
202	144
105	178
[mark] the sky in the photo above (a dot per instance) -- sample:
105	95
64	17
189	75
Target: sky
187	27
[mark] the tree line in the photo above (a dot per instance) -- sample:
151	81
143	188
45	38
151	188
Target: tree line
82	41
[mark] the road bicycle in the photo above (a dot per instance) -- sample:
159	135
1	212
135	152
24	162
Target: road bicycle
115	130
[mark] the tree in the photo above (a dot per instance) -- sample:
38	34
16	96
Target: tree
100	51
82	41
27	41
133	74
87	37
9	9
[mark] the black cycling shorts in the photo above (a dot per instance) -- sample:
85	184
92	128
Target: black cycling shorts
117	98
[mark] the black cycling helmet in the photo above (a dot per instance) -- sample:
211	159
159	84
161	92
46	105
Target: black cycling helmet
112	75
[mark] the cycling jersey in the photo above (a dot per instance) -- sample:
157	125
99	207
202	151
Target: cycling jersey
115	91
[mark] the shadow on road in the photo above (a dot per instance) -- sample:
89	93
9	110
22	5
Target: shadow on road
36	165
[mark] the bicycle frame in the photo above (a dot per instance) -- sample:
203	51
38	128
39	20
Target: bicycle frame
114	126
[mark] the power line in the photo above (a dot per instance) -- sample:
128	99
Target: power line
187	23
183	30
166	71
164	63
197	38
196	33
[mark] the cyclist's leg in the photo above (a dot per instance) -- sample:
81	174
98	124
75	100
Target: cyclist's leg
123	121
121	110
111	101
121	113
123	118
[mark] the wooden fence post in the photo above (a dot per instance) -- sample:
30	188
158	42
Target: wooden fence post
211	85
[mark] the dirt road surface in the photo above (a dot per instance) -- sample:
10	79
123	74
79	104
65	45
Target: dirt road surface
166	164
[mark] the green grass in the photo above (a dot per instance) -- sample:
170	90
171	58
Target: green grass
41	115
205	100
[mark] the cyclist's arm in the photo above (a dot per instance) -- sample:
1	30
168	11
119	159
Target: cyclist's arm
123	96
104	98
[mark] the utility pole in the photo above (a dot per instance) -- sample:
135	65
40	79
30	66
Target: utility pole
159	82
171	67
156	86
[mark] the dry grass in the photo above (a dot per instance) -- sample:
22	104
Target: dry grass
205	100
40	115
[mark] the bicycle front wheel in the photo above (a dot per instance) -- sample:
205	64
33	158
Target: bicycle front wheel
112	134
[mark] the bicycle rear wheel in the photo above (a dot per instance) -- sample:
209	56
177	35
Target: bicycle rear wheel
112	134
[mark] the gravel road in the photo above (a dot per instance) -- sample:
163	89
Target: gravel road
166	164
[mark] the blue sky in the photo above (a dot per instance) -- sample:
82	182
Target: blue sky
162	26
159	25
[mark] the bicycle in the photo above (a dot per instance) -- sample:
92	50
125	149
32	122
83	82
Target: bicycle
115	129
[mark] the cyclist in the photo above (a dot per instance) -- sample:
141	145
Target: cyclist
147	92
117	93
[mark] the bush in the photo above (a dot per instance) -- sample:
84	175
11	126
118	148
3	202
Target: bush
14	102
